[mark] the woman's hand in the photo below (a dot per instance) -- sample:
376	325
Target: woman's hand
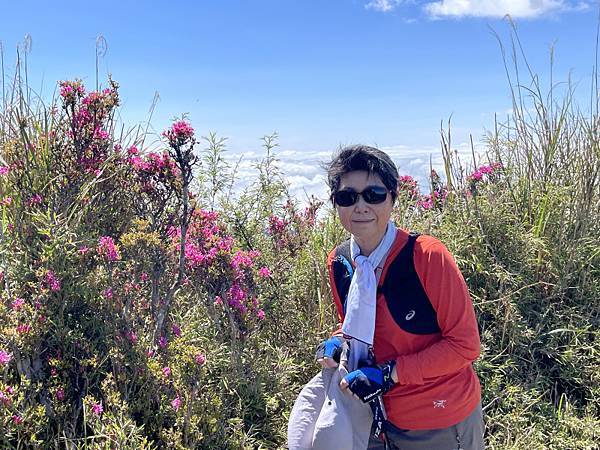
368	382
329	352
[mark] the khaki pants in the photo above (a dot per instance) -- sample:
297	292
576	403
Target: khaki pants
465	435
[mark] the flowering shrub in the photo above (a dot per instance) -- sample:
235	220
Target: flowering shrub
87	118
290	230
90	309
407	188
482	174
410	197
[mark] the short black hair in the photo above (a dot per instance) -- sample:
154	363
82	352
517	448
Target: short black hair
362	157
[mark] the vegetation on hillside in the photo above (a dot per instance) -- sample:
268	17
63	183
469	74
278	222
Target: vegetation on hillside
145	304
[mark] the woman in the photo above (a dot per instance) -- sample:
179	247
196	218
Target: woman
406	311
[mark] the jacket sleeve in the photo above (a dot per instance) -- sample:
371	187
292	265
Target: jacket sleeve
445	286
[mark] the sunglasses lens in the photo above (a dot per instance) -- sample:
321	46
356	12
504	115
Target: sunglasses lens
345	198
375	194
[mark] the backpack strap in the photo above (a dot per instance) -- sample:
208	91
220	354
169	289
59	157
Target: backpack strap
342	271
405	296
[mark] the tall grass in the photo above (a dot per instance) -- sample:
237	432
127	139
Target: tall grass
529	244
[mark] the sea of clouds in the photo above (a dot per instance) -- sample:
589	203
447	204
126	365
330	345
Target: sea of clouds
304	173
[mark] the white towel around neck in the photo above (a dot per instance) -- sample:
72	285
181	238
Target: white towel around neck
359	321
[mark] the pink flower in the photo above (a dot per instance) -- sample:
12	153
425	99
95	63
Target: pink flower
236	296
157	162
108	293
176	330
180	133
225	244
131	337
83	250
200	359
65	90
17	304
143	276
17	420
138	163
176	403
486	170
276	225
23	328
68	89
264	272
5	357
7	201
4	170
5	399
108	249
101	134
166	371
218	300
260	314
52	282
477	175
162	342
82	117
426	202
97	409
35	199
60	394
194	255
408	184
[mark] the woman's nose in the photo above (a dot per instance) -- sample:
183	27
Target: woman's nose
360	203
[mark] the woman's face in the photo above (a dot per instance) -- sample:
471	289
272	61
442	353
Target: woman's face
366	221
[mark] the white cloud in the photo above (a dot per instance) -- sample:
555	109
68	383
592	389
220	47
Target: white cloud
582	6
518	9
383	5
304	174
496	8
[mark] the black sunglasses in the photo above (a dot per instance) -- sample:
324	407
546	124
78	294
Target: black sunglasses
372	195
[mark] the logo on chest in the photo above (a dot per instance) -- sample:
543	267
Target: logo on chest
410	314
439	403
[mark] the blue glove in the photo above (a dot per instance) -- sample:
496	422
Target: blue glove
331	348
370	381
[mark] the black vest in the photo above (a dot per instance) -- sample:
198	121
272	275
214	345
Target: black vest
404	294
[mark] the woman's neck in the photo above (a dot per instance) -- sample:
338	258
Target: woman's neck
367	246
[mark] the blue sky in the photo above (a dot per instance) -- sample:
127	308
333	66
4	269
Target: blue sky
320	73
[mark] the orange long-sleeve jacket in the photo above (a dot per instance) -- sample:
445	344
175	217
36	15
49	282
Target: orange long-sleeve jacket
425	321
